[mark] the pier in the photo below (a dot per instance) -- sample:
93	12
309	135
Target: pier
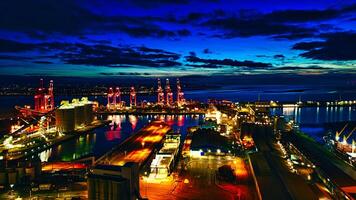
137	148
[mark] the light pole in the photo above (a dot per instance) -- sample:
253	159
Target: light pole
146	183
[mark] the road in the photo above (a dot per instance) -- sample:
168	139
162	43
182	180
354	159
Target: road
275	180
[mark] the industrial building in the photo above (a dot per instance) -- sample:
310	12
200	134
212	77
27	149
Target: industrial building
12	173
114	182
164	160
208	141
74	115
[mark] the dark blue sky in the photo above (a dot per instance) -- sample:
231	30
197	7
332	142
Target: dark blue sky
177	37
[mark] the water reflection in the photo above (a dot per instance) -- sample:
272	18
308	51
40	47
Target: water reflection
317	115
180	120
133	121
102	139
114	131
311	119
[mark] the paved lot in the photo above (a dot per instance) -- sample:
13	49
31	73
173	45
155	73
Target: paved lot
199	181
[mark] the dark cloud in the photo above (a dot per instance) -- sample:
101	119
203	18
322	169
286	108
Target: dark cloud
42	62
281	24
102	55
207	51
149	4
153	50
97	55
336	46
296	35
227	62
308	15
154	3
292	68
308	45
237	27
262	56
209	65
151	30
13	46
193	17
279	56
12	57
184	32
192	53
124	74
43	17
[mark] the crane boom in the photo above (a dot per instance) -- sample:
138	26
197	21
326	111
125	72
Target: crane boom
342	130
347	137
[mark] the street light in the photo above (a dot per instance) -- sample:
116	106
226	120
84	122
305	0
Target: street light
146	182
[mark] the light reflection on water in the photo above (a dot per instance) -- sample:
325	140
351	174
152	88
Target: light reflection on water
317	115
311	119
102	139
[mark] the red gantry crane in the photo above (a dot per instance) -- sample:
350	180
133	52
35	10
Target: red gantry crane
133	97
169	94
160	93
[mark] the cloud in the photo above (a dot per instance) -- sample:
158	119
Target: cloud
42	62
149	4
45	16
103	55
279	56
13	46
42	18
151	30
232	27
227	62
207	51
308	15
124	74
209	65
280	24
336	46
292	68
95	55
12	57
155	3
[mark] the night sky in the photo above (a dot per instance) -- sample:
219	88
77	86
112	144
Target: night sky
151	38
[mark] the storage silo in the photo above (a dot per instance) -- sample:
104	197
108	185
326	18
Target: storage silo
88	110
79	113
65	117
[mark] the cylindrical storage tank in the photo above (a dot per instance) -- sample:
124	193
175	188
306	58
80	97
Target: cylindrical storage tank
59	119
3	178
79	115
30	171
20	172
12	177
88	112
65	119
